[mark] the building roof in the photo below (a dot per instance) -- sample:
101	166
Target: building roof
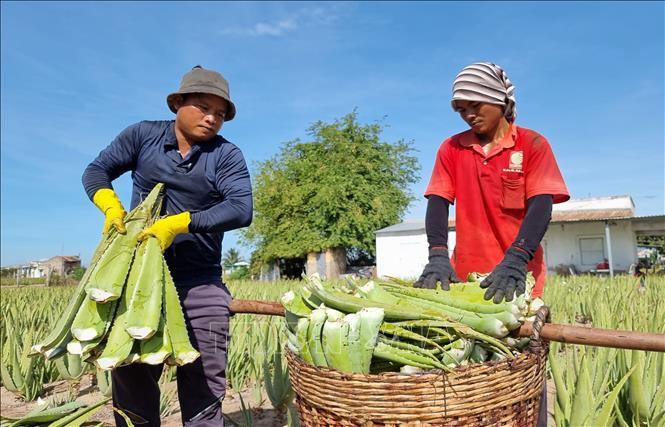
649	217
67	258
592	215
409	225
594	209
574	210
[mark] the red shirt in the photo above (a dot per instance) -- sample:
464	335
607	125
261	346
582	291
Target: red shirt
491	192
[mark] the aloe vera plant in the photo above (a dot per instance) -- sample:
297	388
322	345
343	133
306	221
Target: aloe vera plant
276	382
70	367
18	374
104	382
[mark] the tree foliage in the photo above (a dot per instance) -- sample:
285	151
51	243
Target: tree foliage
334	190
231	257
77	273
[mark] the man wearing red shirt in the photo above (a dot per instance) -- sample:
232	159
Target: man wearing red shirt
504	179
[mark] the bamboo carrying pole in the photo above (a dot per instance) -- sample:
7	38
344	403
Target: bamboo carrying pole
551	331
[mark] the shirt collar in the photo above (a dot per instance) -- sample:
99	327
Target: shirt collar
170	139
468	138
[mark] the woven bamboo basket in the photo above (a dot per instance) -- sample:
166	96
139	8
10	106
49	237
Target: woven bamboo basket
503	393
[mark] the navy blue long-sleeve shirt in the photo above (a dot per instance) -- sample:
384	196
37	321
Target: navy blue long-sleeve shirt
212	183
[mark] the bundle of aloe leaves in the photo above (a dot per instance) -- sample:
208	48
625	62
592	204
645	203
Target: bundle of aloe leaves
126	308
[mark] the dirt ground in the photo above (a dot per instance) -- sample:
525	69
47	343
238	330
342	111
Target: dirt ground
263	415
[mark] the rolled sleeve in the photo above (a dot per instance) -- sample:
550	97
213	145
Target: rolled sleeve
235	209
442	181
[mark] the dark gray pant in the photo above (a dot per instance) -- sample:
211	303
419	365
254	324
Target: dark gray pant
201	385
542	412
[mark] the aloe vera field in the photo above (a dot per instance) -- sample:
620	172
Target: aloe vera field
588	385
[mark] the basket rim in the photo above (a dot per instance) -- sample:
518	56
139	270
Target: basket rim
458	371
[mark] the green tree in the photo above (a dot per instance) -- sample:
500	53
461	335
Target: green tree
77	273
231	257
334	190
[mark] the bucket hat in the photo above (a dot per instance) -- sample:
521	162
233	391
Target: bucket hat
200	80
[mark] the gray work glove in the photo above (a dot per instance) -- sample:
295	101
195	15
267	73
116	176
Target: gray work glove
507	278
438	269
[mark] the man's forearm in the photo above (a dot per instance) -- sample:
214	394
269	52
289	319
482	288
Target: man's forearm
436	222
95	178
535	223
225	216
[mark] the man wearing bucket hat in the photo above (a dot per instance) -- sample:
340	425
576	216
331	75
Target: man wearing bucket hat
504	179
208	192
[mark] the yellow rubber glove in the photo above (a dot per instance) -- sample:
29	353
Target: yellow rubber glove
167	228
109	203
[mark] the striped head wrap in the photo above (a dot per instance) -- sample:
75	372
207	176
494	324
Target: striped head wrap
485	82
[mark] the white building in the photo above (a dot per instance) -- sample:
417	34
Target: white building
61	265
582	233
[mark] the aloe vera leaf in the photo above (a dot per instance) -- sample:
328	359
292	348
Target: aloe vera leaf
63	326
407	311
92	319
183	352
80	416
370	322
468	301
637	396
314	341
603	417
294	309
302	336
109	273
335	341
145	306
407	346
392	329
404	357
355	345
119	343
70	367
562	393
45	415
582	397
157	348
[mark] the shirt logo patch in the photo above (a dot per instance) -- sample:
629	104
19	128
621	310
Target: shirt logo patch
516	160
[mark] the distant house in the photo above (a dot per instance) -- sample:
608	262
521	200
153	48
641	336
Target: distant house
228	269
61	265
582	233
32	270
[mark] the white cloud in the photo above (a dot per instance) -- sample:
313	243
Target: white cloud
302	18
274	29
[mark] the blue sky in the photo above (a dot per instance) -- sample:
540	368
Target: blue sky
589	76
